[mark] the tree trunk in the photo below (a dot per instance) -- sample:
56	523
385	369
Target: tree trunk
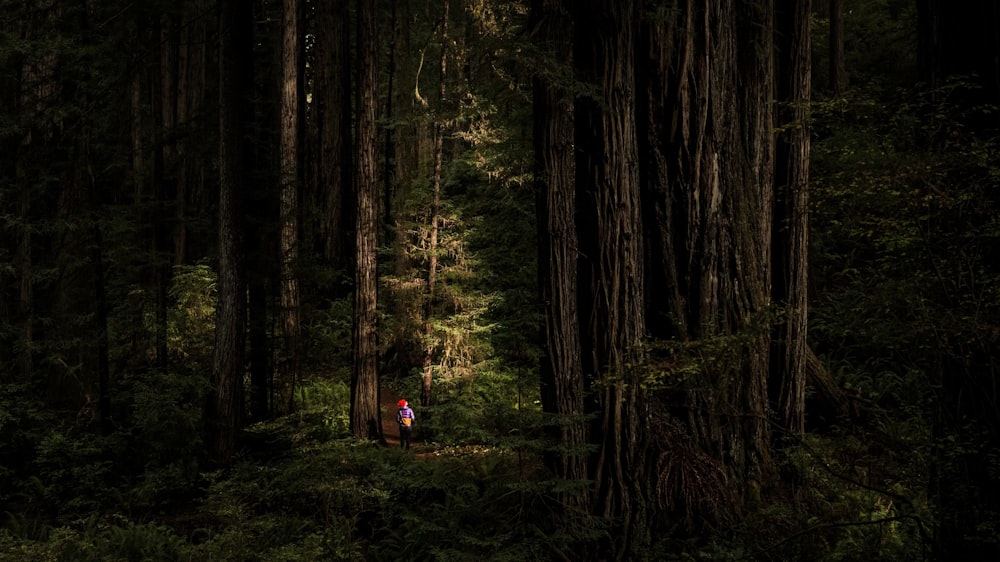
389	144
235	115
609	227
332	171
791	226
289	206
191	172
708	175
561	370
366	420
430	342
164	102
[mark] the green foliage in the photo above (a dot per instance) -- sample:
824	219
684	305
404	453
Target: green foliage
879	40
326	404
23	423
191	319
906	282
77	476
327	336
163	436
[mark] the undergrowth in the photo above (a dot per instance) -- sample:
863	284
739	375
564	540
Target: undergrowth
304	490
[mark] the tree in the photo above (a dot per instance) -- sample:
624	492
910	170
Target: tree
289	201
365	417
609	228
708	172
235	85
561	369
330	148
791	229
432	245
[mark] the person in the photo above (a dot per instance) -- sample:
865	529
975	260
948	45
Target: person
405	419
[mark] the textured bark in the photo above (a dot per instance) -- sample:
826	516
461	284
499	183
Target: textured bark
561	371
235	79
708	175
332	157
611	264
191	90
289	202
791	226
365	416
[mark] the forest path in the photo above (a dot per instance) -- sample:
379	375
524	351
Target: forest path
390	429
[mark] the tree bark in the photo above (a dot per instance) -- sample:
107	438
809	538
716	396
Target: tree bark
235	87
333	188
562	388
708	176
791	216
289	202
366	421
610	234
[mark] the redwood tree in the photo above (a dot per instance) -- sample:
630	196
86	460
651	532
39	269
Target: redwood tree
791	226
235	79
329	146
707	87
561	369
289	201
365	416
609	228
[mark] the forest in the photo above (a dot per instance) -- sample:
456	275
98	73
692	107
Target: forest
660	279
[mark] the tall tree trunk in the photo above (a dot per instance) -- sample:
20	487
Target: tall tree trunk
333	183
389	144
289	207
562	373
191	89
430	343
235	87
708	173
611	275
791	225
164	102
366	420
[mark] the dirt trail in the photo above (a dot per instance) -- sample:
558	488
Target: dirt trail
390	429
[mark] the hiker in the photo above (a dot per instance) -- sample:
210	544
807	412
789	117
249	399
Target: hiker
405	419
